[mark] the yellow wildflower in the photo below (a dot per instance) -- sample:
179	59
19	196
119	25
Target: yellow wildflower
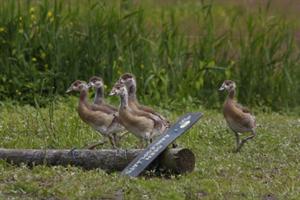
33	17
43	55
32	9
2	29
33	59
120	58
50	46
49	14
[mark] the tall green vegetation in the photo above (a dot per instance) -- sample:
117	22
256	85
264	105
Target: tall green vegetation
179	53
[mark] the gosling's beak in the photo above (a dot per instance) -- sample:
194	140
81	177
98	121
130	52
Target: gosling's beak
222	88
112	93
69	90
101	85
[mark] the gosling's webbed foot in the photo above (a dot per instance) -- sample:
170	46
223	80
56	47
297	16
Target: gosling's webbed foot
238	148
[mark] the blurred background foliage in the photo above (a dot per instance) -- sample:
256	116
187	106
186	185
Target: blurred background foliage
180	51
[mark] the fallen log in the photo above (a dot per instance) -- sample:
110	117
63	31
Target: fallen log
179	160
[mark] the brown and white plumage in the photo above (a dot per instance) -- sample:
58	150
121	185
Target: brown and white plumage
141	126
99	101
238	118
129	81
102	122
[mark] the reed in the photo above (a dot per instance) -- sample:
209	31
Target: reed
180	54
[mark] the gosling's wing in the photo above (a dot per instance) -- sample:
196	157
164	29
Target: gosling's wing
102	108
111	107
242	108
150	110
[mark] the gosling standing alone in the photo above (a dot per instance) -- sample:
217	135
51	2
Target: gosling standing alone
141	126
238	118
102	122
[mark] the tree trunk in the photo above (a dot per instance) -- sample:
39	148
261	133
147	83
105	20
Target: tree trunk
174	160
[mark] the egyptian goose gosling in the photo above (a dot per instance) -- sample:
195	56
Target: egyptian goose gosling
142	127
238	118
130	82
99	102
102	122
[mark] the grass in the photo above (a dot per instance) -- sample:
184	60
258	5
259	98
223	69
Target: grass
267	167
187	49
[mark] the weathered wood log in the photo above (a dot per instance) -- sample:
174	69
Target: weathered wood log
175	160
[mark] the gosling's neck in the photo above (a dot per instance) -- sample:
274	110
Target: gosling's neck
83	99
124	101
231	94
99	95
132	93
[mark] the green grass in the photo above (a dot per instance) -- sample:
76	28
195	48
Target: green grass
187	48
267	165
